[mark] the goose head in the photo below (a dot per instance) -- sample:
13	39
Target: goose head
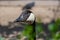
27	16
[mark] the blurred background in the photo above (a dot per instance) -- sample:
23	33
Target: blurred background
44	10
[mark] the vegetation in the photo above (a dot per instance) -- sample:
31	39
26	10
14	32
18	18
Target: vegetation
54	29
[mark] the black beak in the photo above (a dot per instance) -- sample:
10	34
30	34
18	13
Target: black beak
16	21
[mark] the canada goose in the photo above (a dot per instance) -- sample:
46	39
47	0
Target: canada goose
26	14
28	17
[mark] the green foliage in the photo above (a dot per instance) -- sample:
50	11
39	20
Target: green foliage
51	27
57	24
54	27
18	36
1	38
28	31
39	27
56	36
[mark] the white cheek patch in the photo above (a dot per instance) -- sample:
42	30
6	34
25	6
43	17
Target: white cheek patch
31	17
